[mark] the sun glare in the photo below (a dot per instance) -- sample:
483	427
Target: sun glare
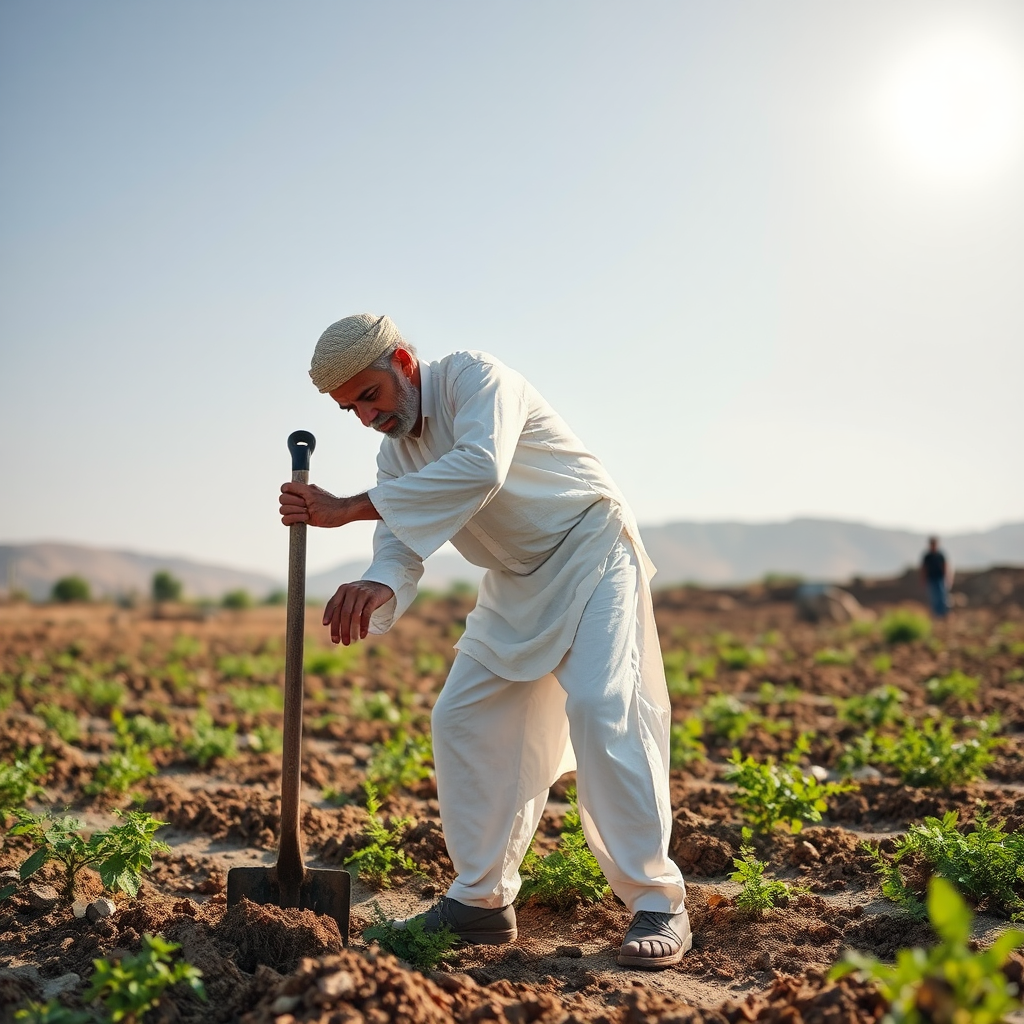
955	107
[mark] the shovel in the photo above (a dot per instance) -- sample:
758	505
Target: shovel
290	883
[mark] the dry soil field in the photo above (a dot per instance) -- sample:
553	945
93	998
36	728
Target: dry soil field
121	686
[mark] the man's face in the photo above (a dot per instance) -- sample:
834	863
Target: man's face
385	400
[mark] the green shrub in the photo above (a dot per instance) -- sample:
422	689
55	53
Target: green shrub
165	587
71	589
237	599
208	742
131	987
773	794
400	762
947	982
986	864
758	894
956	686
902	626
939	753
878	707
120	853
684	742
63	722
423	949
570	874
382	854
20	777
728	717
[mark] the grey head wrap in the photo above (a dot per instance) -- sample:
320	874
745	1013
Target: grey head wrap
350	345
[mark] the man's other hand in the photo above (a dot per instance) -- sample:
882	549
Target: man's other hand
307	503
348	612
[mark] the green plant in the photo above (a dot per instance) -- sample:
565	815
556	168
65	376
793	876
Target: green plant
412	942
208	742
99	695
400	762
120	770
680	682
878	707
684	742
141	730
830	656
63	722
902	626
129	988
51	1012
986	864
773	794
237	599
881	663
165	587
266	739
947	982
770	694
256	700
70	589
734	656
956	686
186	646
567	876
120	853
20	778
375	707
728	717
758	894
381	855
938	753
250	666
331	661
430	663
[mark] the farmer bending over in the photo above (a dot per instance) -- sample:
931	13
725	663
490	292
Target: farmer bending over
560	662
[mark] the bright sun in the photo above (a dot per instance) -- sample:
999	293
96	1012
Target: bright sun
955	107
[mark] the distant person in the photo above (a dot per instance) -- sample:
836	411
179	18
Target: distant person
562	641
935	574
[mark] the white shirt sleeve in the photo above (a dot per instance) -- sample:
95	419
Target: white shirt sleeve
393	564
426	508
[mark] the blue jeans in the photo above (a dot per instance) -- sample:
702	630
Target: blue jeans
938	598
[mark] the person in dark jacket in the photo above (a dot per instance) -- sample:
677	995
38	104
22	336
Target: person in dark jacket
935	575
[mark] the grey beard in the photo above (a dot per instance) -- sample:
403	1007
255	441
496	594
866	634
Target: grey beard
407	412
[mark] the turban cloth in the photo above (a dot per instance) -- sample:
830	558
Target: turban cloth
350	345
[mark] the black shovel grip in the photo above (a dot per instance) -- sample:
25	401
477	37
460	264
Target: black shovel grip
301	444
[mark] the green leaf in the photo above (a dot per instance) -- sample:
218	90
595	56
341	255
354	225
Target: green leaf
948	911
34	863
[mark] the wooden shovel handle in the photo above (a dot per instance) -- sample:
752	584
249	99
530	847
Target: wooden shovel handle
290	869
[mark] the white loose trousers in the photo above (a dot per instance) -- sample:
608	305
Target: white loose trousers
499	745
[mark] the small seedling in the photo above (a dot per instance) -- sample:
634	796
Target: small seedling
831	656
20	778
773	794
880	706
331	662
382	854
63	722
881	663
265	739
120	853
957	686
680	682
947	982
902	626
430	663
769	694
208	741
250	666
411	943
684	742
758	894
938	753
256	700
400	762
128	989
728	717
568	876
99	695
118	772
986	864
742	657
52	1012
374	707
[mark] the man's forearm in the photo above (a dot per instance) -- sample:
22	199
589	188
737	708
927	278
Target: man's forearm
356	508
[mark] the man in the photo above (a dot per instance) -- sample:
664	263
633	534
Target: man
561	646
935	575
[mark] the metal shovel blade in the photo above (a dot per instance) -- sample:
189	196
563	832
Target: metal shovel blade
323	891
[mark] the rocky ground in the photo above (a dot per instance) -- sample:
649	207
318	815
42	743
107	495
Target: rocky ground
263	964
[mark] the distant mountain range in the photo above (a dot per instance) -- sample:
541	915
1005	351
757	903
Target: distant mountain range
709	553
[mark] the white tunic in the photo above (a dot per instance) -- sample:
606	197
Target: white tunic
497	472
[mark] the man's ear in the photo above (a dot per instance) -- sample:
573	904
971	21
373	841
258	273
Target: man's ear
403	362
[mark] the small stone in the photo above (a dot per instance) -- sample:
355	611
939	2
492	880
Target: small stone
99	909
820	773
54	988
42	898
336	985
867	773
78	908
9	878
809	851
572	952
284	1004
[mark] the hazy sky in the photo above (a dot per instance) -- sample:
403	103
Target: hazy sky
766	258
